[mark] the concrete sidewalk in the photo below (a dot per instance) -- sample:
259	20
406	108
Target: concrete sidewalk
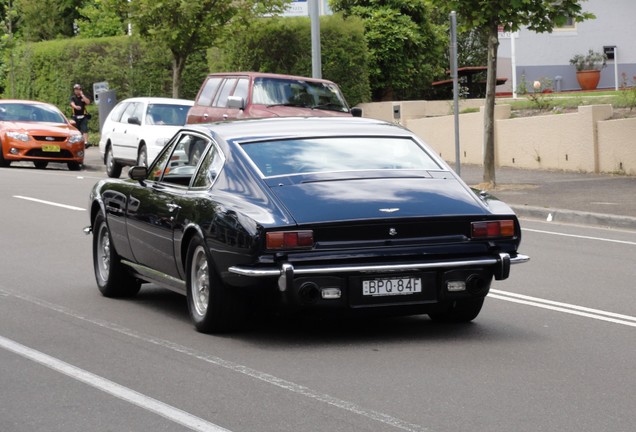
580	198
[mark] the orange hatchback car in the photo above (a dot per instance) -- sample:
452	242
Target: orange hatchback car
40	133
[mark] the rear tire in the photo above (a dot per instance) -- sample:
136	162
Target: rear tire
213	307
458	311
113	280
40	164
113	168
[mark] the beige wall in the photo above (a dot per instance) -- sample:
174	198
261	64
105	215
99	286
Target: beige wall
584	141
617	146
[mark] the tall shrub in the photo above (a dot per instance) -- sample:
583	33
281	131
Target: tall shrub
46	71
283	45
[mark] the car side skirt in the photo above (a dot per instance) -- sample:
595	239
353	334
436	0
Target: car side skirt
149	275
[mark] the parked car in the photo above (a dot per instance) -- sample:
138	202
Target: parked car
237	95
344	213
136	130
40	133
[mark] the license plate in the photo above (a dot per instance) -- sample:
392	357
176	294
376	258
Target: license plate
391	286
51	148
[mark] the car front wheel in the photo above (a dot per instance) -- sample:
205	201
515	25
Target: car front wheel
458	311
213	307
74	166
3	161
112	278
113	168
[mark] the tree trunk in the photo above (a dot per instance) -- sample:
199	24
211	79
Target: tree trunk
489	112
178	64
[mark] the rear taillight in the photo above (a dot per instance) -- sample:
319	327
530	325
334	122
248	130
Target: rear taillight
289	239
492	229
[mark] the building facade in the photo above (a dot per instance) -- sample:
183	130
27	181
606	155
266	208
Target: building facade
546	56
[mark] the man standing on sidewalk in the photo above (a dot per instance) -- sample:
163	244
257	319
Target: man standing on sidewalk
78	103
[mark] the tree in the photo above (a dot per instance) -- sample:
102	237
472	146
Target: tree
537	15
101	18
406	46
48	20
185	26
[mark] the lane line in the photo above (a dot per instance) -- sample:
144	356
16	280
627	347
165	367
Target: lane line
596	314
69	207
567	305
234	367
579	236
164	410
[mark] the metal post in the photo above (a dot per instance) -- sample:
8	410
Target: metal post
314	15
454	75
615	69
513	64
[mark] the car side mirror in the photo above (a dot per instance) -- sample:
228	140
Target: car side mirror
138	173
236	102
356	112
134	120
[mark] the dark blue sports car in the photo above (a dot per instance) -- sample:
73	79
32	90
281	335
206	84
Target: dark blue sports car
305	213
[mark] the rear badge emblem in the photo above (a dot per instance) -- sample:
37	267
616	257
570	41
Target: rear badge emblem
389	210
392	232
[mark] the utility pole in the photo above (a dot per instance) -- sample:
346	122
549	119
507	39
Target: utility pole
314	15
454	75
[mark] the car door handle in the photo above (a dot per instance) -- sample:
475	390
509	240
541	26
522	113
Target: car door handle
172	207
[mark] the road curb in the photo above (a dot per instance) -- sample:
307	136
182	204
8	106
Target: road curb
576	217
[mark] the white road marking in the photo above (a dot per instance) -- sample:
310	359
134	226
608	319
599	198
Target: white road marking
69	207
580	236
171	413
234	367
564	307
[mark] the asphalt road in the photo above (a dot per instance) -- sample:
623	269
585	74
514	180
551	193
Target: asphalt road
553	350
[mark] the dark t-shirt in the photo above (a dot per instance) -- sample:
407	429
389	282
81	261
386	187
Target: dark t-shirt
77	100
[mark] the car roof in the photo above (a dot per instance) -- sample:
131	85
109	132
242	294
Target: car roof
159	100
25	101
269	75
285	127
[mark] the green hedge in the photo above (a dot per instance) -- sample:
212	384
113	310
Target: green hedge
46	71
283	45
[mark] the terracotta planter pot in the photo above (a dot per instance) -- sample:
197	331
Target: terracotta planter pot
588	79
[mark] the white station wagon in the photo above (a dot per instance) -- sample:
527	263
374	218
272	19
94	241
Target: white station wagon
137	129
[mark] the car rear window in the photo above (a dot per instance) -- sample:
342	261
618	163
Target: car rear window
316	155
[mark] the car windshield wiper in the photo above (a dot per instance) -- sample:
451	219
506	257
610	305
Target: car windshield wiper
288	104
329	106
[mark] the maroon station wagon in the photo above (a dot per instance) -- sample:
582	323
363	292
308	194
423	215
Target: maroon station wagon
228	96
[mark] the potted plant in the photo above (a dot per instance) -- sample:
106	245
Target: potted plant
588	68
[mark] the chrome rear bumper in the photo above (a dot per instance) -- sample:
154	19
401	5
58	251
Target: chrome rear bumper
286	271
